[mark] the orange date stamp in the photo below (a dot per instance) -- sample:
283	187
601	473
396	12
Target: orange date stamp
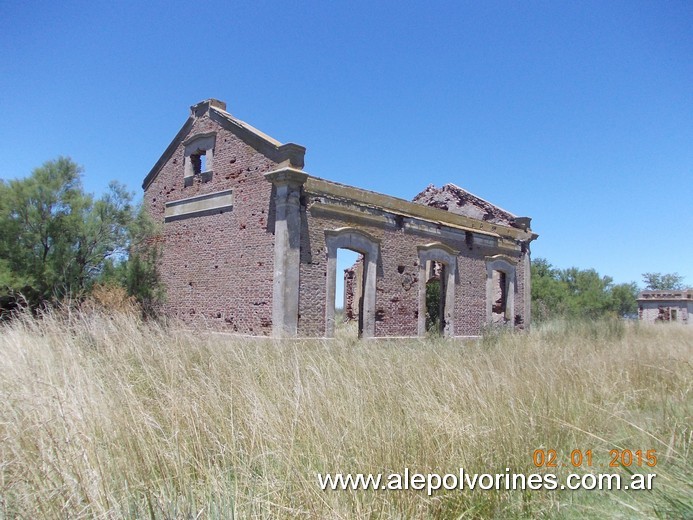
549	458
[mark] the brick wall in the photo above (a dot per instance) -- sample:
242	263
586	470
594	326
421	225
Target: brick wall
218	269
397	290
658	311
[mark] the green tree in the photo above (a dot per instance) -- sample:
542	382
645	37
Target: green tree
138	273
549	293
142	280
54	238
589	294
663	282
578	293
625	297
433	316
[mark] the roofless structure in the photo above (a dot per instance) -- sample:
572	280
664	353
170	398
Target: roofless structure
666	306
249	242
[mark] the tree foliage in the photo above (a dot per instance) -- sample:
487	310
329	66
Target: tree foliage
663	282
625	298
55	239
139	276
580	293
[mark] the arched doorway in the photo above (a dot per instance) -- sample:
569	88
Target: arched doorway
364	244
349	294
437	262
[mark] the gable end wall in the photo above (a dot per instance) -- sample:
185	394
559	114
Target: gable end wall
217	269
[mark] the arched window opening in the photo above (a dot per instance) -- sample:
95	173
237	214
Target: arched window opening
499	306
199	158
500	291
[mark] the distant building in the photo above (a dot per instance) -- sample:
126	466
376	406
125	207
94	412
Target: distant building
666	306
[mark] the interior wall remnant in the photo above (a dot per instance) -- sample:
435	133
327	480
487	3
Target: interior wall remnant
199	161
457	200
353	289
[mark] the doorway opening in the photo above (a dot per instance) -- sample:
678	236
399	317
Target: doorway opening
349	287
356	241
435	298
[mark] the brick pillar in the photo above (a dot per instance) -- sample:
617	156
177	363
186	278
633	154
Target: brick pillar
287	243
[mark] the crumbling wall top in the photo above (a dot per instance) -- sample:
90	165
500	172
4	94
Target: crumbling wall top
456	200
686	294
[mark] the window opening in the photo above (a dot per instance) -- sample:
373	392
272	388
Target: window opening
199	161
500	297
664	314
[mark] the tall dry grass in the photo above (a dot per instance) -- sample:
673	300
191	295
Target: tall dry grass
109	417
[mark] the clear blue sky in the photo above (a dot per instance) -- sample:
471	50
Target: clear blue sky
578	114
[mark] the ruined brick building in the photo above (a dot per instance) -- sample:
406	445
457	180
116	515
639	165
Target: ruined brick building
249	242
666	306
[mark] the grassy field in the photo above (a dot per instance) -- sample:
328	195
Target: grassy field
109	417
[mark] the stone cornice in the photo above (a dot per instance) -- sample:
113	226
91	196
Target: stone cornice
438	245
196	137
290	154
394	205
666	295
502	259
286	176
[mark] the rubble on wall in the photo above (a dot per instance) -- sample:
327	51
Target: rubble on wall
456	200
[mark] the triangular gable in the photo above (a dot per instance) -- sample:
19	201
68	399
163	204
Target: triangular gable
288	154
